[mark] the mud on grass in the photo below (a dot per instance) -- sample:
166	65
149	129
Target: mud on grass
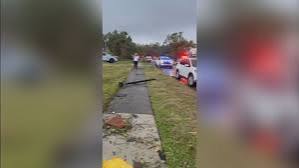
174	106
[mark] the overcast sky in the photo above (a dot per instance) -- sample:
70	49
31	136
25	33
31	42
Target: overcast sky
150	21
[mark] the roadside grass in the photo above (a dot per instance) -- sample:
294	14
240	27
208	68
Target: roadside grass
112	75
174	106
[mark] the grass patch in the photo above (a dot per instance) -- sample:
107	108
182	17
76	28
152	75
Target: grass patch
174	106
112	75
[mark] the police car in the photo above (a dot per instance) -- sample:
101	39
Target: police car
187	68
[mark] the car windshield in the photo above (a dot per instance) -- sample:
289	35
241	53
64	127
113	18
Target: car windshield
194	62
164	58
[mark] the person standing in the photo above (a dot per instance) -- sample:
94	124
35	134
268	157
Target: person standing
136	60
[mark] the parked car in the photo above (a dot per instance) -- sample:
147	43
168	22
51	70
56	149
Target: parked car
164	61
109	58
187	68
148	58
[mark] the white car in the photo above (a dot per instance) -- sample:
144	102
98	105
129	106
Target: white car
187	68
109	58
148	59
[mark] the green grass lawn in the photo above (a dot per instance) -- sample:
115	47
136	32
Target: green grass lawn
174	106
112	75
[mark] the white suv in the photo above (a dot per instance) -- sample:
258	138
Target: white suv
187	68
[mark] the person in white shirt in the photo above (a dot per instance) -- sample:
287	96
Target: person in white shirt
135	60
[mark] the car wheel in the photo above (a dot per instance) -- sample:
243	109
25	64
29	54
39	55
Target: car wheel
111	60
177	75
191	81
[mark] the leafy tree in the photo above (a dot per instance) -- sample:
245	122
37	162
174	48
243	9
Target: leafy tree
152	49
120	44
176	43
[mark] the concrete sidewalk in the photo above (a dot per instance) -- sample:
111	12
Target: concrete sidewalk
140	143
132	98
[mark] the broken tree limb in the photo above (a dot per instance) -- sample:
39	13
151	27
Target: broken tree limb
121	84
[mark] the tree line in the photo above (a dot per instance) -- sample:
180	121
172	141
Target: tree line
120	43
